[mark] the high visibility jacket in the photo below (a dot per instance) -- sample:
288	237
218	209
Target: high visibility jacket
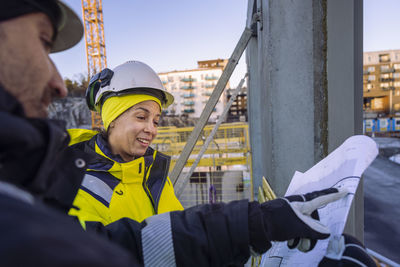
113	189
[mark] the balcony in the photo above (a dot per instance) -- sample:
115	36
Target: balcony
388	70
387	88
387	79
187	87
188	95
210	78
188	80
188	110
188	103
384	58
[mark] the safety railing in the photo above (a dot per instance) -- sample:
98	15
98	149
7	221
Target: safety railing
223	173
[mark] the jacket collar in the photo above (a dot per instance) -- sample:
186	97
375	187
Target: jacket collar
10	104
105	148
38	160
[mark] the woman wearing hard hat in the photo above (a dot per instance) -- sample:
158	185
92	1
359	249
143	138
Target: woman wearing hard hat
125	177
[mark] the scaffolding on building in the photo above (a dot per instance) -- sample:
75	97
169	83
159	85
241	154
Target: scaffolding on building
223	173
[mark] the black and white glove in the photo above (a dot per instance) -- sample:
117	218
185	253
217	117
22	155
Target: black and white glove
289	218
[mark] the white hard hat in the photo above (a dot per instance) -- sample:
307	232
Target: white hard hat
132	77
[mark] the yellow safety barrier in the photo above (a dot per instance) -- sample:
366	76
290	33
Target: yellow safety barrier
265	193
224	171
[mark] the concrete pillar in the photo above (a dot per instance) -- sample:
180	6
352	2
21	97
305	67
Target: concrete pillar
302	103
287	96
256	104
345	61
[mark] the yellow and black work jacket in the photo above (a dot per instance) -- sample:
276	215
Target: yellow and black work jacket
113	189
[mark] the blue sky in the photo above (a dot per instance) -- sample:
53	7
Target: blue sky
381	25
174	34
166	34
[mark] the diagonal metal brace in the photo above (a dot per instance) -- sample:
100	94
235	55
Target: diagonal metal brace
210	138
205	115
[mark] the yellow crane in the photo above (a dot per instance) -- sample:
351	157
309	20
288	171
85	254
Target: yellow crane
92	13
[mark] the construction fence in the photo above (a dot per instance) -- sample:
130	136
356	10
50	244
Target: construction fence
224	171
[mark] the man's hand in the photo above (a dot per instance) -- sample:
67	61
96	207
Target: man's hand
290	218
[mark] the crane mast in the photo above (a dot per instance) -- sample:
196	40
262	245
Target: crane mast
92	13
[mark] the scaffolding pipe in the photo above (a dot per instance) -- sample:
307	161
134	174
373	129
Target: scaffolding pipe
382	259
219	88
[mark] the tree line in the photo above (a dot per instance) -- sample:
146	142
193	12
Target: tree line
77	87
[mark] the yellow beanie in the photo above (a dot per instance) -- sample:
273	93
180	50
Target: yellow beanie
116	105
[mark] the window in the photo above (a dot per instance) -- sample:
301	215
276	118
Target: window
385	76
396	66
371	69
397	107
396	75
384	85
384	68
370	86
397	84
397	92
170	79
384	58
371	77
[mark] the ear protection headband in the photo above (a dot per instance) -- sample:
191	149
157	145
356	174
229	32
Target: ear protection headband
96	82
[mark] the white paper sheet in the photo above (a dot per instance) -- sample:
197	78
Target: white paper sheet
341	168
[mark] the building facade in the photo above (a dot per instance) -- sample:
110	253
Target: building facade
238	109
192	88
381	83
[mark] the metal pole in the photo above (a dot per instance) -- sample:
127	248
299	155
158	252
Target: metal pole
382	259
210	138
219	88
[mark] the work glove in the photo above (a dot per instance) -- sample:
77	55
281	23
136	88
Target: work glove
289	218
346	251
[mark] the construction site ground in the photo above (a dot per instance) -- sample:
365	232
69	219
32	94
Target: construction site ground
381	198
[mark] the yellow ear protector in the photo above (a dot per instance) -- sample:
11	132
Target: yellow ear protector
96	82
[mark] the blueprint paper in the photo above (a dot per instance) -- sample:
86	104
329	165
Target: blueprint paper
341	168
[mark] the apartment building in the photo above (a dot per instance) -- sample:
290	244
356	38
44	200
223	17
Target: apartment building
192	88
381	83
238	109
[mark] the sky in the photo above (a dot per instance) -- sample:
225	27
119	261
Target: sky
166	34
174	34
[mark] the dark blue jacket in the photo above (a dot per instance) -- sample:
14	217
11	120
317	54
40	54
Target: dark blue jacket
39	178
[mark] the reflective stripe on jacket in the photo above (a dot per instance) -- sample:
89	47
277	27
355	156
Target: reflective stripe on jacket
112	189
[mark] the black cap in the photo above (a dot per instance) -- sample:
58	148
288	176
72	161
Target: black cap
68	29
